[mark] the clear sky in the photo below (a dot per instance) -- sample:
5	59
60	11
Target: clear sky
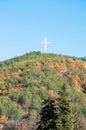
25	23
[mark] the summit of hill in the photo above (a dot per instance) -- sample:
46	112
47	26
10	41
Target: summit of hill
25	81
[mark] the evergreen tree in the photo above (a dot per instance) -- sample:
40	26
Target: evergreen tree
64	111
48	115
57	113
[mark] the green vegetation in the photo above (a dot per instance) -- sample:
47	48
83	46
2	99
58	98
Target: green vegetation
27	81
56	114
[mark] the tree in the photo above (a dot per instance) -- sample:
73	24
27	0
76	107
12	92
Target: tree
57	113
48	115
64	111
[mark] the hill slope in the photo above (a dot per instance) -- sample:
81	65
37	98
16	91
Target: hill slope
27	80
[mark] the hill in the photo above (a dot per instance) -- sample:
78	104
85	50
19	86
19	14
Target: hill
27	80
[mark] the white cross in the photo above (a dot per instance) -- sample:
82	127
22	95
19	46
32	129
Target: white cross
45	44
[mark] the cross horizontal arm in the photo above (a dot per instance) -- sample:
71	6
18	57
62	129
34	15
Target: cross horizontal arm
46	42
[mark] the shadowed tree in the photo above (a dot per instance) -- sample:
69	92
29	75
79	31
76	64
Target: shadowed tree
56	114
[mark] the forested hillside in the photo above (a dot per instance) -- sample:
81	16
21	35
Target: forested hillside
26	81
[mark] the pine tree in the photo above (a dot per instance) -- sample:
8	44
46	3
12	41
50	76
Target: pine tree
56	114
48	115
64	111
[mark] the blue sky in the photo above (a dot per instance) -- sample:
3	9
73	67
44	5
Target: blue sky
25	23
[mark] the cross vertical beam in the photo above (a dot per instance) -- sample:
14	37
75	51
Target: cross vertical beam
45	43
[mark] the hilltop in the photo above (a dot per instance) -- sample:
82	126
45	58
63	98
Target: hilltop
27	80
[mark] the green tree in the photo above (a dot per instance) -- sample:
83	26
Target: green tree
57	113
64	111
48	115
